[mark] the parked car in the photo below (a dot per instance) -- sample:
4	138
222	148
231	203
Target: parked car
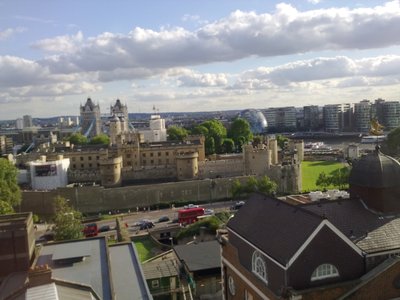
104	228
238	205
163	219
208	211
190	206
146	225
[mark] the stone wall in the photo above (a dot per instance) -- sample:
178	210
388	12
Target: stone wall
95	199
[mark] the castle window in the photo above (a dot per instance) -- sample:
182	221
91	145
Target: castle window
90	165
258	266
81	158
324	271
159	153
82	166
151	154
152	161
144	154
74	166
73	159
97	157
89	157
128	155
166	153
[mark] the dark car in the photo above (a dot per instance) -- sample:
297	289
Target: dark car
163	219
146	225
238	205
47	237
104	228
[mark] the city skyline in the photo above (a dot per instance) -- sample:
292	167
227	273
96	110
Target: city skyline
195	56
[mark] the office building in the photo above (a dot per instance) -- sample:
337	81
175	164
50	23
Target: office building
362	116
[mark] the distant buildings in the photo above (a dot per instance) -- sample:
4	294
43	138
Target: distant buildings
281	119
27	121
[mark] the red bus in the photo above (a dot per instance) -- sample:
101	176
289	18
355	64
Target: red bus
189	215
90	230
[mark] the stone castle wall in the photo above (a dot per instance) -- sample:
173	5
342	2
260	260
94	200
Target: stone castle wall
95	199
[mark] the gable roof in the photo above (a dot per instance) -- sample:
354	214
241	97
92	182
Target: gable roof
200	256
371	232
277	228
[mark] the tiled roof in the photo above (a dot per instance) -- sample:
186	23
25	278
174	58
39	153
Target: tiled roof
275	227
369	231
200	256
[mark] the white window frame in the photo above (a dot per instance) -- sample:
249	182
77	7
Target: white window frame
155	283
259	267
324	271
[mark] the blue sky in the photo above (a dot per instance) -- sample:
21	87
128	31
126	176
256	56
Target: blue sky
195	55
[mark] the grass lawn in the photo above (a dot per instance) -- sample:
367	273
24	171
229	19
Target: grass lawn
310	171
144	247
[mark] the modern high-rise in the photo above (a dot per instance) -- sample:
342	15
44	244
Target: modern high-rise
281	118
391	115
387	113
27	121
337	117
311	117
362	116
90	119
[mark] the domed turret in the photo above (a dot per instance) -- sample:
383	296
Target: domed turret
375	178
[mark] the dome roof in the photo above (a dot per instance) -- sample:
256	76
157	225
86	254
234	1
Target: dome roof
375	170
258	122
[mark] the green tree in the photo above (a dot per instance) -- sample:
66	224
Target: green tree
176	133
5	208
78	139
240	132
101	139
251	185
267	186
281	140
392	142
9	189
237	189
212	130
67	221
323	180
228	145
257	140
340	177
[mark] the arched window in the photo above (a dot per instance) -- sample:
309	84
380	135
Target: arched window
258	266
324	271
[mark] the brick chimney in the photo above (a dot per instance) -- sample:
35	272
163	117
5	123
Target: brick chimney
39	275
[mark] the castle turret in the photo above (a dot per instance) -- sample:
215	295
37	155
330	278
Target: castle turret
115	129
187	166
110	170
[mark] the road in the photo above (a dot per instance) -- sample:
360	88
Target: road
153	215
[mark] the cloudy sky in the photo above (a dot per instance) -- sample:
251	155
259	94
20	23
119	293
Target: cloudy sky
195	55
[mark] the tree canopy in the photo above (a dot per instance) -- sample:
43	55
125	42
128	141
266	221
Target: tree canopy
393	141
67	221
263	184
338	178
101	139
240	132
78	139
176	133
5	208
9	189
281	140
215	133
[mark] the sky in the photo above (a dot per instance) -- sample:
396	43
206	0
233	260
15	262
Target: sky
189	55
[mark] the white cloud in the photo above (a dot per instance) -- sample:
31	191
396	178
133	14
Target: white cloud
314	1
8	32
194	79
240	35
321	68
62	44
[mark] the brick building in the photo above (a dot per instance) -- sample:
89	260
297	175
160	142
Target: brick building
344	249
